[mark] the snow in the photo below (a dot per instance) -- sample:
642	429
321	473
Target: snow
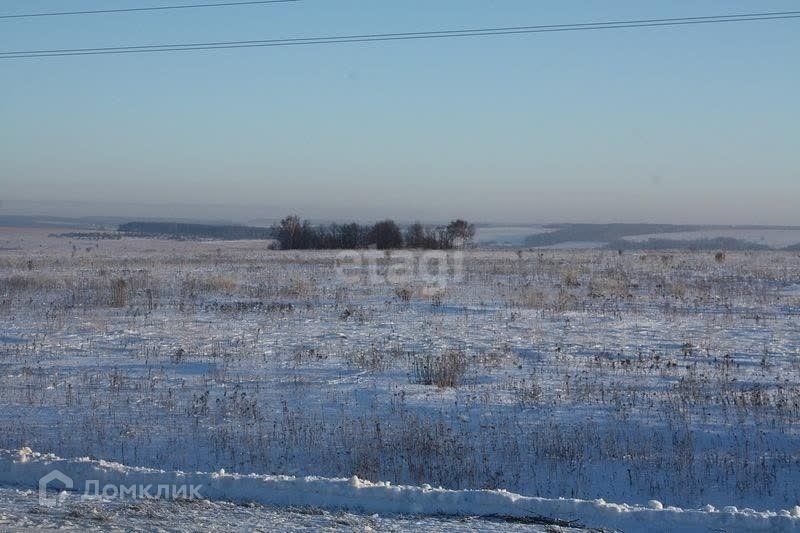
574	245
507	235
20	511
24	468
664	380
772	237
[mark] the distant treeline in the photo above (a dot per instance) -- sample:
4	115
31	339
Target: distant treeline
177	230
614	235
716	243
88	235
294	234
600	232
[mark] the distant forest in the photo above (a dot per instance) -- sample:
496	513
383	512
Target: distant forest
177	230
295	234
600	232
613	235
715	243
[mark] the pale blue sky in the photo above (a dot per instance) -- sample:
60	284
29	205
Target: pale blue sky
688	124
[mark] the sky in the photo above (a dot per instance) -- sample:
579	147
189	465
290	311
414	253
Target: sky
697	124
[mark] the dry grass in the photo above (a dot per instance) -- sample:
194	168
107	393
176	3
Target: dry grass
445	370
264	361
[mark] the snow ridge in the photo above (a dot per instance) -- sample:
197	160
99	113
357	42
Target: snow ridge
24	468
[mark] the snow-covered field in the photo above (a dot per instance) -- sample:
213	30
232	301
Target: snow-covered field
375	499
772	237
20	511
507	235
575	374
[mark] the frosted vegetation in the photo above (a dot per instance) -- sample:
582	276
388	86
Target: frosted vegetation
585	374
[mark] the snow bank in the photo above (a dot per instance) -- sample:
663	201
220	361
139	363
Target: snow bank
24	468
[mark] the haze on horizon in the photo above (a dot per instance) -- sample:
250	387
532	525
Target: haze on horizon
684	125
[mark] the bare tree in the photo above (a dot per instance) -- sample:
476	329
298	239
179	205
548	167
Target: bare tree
289	232
386	235
460	232
415	235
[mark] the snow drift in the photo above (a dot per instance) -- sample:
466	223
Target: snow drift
25	468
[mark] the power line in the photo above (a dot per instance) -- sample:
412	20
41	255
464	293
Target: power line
153	8
479	32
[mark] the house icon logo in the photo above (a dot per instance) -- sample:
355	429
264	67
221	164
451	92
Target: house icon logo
55	480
